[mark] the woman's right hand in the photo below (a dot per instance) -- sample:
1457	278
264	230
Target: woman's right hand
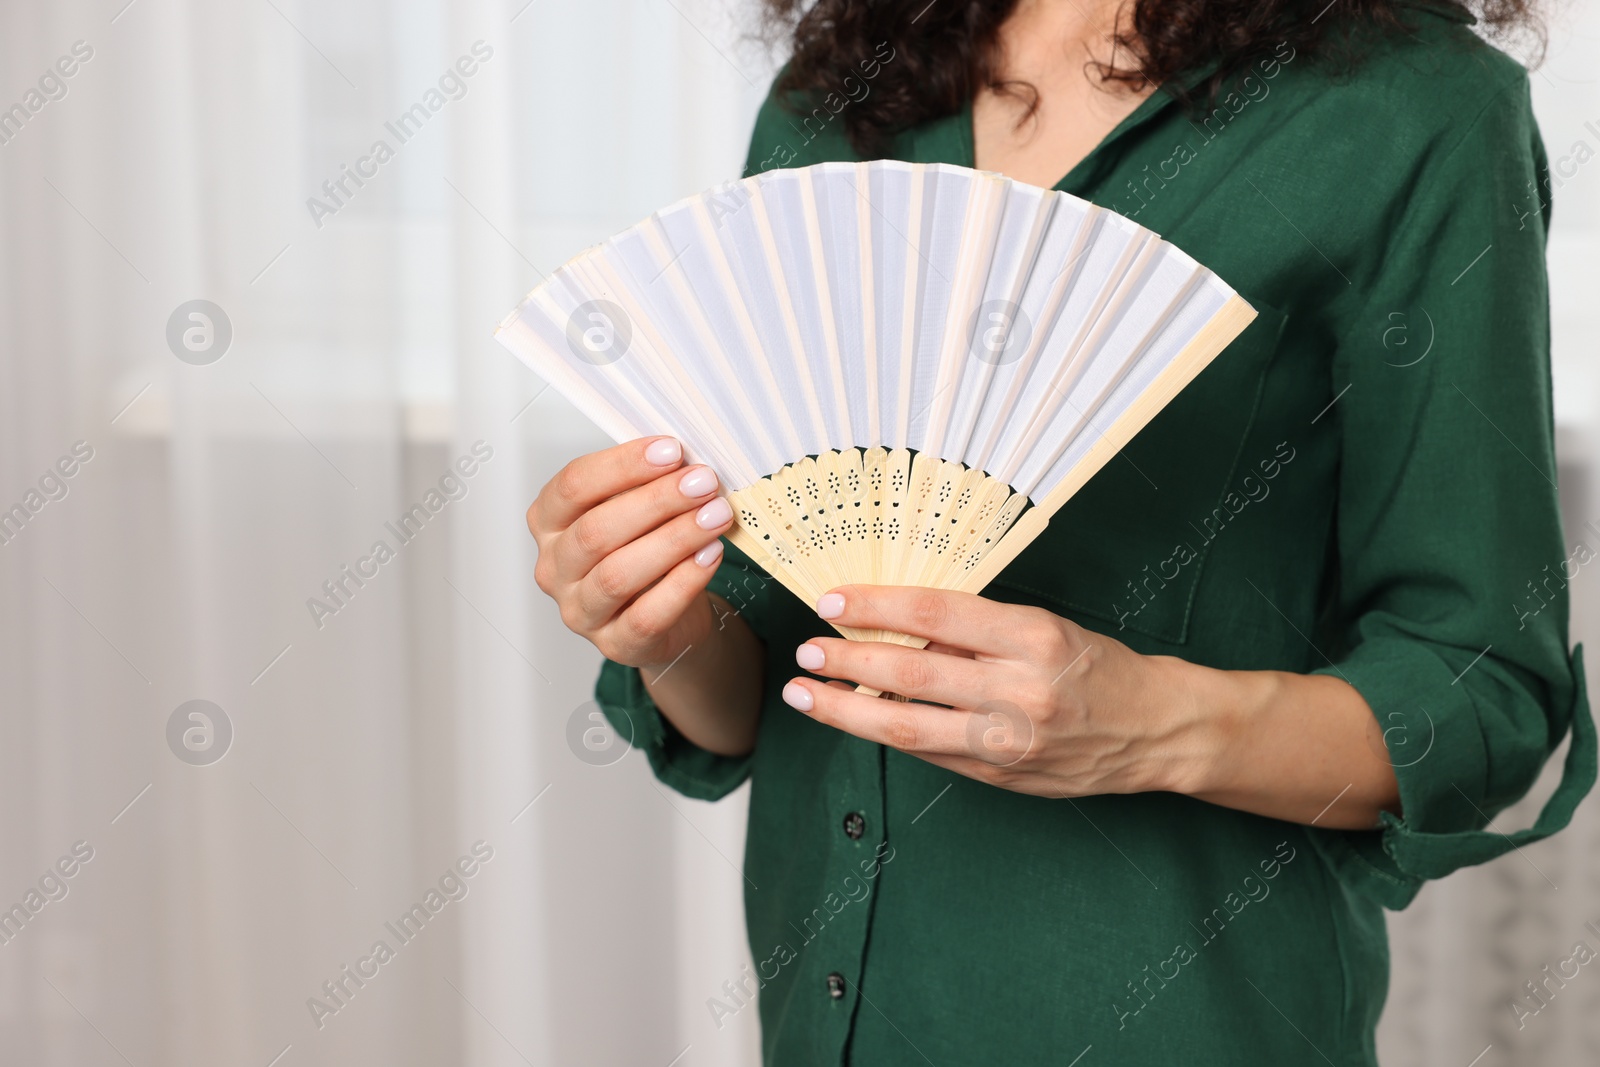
627	544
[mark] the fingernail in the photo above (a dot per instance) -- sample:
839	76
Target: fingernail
809	657
797	696
664	453
709	554
831	606
697	482
713	514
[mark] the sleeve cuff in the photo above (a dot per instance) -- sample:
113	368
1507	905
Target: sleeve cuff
676	761
1443	765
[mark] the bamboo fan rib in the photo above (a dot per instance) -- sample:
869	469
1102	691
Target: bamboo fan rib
886	363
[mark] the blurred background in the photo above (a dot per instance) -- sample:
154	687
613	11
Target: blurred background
228	369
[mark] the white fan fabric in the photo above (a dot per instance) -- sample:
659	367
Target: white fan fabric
852	305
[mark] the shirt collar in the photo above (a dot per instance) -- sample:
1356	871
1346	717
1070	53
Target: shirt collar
949	139
1444	9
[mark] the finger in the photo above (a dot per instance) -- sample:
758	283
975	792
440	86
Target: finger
610	525
942	615
631	569
982	762
659	608
984	771
913	728
588	480
910	672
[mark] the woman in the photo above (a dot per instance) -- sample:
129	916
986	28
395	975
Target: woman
1269	671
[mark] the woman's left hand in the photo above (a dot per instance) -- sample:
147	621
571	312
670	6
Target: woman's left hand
1033	702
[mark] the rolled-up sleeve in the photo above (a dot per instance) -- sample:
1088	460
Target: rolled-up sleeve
677	761
1451	609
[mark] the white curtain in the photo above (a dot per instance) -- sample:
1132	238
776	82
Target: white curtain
376	739
380	732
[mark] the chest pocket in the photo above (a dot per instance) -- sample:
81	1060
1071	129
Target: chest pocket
1128	549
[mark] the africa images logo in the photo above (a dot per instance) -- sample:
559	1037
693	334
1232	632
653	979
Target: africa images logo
52	86
599	332
199	332
998	332
199	732
338	191
453	485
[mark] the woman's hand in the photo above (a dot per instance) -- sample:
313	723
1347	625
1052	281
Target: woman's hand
627	544
1037	704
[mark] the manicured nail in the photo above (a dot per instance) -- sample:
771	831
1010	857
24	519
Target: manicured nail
713	514
709	555
809	657
663	453
831	606
697	482
797	696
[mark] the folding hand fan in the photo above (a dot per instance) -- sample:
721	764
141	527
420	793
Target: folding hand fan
886	363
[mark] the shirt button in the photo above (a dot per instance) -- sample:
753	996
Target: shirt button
854	826
836	985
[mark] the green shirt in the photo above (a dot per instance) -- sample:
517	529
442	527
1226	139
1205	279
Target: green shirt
1362	484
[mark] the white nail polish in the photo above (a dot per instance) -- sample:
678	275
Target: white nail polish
663	453
714	514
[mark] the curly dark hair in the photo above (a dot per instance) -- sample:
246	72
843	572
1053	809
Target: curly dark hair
943	51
